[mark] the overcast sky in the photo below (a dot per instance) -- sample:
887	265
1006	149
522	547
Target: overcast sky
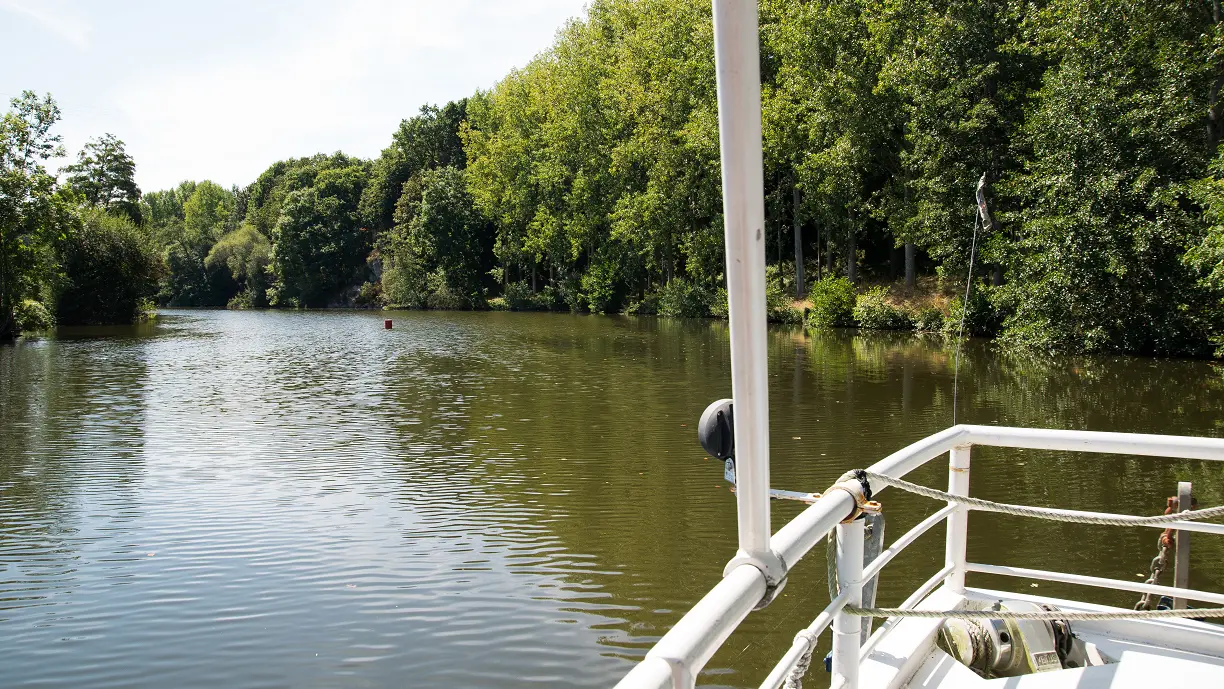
220	89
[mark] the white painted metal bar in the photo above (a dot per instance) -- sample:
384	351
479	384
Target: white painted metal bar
794	540
902	543
778	675
958	522
790	659
1198	527
1099	582
913	600
914	455
691	641
652	672
688	645
922	591
1189	447
737	66
1181	563
847	629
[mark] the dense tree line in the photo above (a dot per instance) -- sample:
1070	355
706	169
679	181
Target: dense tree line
71	251
1095	124
589	180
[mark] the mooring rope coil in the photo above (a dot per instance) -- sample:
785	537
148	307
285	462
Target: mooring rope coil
1197	613
1048	513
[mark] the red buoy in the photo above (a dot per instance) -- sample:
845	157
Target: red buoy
387	324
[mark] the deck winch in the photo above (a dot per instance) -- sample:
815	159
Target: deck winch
1013	647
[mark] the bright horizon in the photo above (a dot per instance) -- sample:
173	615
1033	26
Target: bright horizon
223	91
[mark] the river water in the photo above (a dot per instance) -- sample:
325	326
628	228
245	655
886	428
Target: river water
279	499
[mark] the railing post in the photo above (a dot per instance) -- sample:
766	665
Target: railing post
737	67
847	629
958	521
1181	562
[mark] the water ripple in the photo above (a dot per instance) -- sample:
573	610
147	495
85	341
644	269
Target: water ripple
304	499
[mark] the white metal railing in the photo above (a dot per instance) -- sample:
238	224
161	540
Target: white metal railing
683	651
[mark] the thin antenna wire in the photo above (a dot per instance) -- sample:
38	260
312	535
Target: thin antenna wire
960	337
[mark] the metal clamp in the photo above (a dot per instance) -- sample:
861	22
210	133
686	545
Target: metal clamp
771	567
856	484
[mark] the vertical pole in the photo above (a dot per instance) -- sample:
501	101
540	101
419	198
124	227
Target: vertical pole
1181	565
958	521
800	278
738	68
847	629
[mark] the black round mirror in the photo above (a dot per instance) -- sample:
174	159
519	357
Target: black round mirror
716	430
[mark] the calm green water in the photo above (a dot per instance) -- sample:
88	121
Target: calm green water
494	500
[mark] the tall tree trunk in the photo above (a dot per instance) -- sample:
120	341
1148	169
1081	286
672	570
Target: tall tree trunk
779	242
1214	125
819	277
829	255
533	277
800	280
911	265
852	258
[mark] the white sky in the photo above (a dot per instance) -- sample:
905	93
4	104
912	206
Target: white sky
221	89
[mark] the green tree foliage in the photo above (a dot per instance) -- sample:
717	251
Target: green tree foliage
836	128
246	253
207	214
425	142
1093	121
833	303
31	212
106	176
961	81
872	311
264	196
74	254
110	270
599	160
1101	221
442	247
162	211
1207	258
319	247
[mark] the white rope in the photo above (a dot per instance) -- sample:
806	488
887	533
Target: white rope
794	680
1069	615
1047	513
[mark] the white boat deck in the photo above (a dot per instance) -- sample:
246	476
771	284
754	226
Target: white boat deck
1149	653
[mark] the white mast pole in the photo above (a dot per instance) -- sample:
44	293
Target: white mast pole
738	63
